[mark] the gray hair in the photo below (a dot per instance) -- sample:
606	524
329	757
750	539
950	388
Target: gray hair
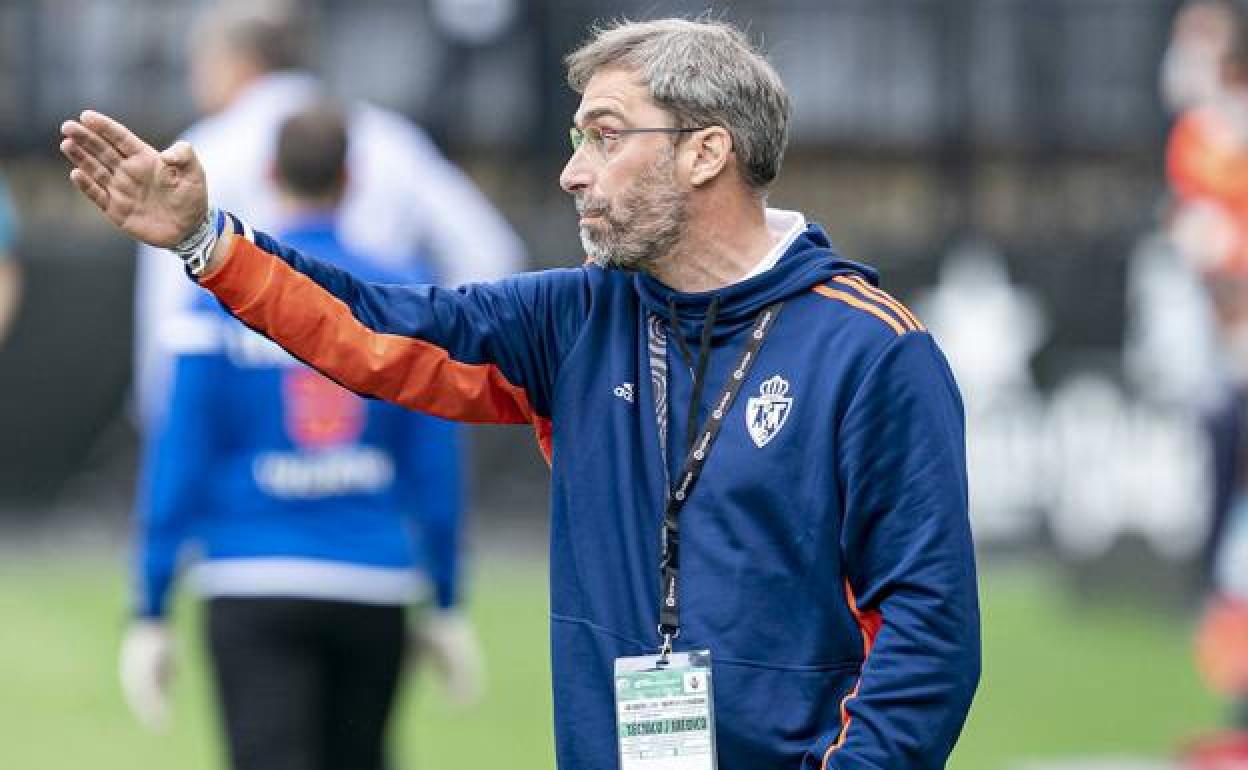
706	73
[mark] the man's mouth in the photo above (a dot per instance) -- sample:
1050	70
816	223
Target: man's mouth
589	209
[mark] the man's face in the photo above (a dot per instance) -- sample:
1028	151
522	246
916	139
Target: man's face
633	208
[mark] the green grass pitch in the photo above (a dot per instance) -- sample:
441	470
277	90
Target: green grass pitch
1058	680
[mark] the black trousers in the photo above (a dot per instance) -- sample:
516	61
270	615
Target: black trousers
305	684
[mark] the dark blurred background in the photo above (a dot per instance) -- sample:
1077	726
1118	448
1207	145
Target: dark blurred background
1033	126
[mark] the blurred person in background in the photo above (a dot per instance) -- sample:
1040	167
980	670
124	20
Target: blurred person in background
403	209
404	203
1207	166
822	554
319	517
1191	68
10	273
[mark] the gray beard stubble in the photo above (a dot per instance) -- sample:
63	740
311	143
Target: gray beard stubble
648	221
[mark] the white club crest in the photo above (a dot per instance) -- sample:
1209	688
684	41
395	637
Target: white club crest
766	413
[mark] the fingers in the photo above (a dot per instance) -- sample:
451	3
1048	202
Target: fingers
92	143
114	133
88	175
84	183
87	162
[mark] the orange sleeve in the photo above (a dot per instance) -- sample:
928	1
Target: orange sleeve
319	329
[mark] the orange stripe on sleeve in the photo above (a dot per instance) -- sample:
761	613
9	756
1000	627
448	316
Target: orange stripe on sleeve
879	295
869	624
319	329
861	304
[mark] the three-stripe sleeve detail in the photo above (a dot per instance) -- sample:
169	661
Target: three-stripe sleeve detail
858	293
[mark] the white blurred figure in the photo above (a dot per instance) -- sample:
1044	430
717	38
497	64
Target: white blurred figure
248	73
1171	353
991	344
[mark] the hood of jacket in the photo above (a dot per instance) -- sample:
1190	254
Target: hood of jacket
809	261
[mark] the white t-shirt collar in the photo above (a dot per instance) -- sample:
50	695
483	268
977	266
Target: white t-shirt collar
784	227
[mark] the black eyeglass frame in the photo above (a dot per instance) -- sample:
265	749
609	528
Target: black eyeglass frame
578	136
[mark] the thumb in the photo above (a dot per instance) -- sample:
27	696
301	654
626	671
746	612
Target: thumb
179	154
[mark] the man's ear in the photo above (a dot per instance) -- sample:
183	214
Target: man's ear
711	150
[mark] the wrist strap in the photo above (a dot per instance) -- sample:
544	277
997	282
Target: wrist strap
195	248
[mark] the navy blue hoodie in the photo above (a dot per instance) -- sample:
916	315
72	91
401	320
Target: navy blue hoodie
826	557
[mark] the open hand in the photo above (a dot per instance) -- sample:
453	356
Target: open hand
155	197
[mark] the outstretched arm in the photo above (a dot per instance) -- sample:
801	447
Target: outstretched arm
484	353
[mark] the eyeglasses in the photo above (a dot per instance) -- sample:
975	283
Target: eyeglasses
602	139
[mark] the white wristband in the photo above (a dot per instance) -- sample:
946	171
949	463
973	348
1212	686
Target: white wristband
195	248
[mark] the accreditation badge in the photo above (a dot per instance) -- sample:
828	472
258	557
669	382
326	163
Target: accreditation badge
664	713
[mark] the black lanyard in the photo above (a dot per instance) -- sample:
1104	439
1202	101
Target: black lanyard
678	494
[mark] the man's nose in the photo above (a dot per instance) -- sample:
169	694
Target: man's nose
577	174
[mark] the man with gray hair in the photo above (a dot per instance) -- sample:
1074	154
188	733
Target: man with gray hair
780	580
